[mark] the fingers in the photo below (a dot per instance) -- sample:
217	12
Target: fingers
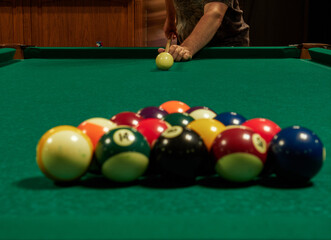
180	53
160	50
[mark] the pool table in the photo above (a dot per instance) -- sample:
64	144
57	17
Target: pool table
65	86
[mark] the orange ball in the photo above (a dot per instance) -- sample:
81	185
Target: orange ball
95	128
174	107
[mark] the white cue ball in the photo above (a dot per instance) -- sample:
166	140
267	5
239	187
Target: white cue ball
164	61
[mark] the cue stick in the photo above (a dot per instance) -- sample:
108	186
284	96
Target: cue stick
168	43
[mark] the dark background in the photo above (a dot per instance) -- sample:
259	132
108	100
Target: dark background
284	22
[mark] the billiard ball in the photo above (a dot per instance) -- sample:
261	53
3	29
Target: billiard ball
152	112
297	154
174	106
95	128
164	61
208	129
126	119
239	154
201	112
180	153
178	119
64	153
230	118
151	128
123	154
265	127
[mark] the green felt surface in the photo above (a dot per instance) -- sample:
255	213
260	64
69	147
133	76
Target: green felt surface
38	94
321	55
6	56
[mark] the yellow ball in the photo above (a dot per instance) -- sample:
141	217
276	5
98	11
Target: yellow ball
64	153
208	129
164	61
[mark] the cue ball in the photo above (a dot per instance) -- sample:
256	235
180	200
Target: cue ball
180	153
240	154
164	61
123	154
64	153
297	154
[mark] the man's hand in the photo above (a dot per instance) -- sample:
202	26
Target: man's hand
169	28
179	53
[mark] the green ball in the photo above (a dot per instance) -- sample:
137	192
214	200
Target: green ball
123	154
178	119
164	61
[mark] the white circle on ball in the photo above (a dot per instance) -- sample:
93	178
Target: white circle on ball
173	132
124	137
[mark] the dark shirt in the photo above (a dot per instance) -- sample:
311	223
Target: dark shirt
233	31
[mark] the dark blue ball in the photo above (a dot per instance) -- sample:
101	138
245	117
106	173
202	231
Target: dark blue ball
230	118
297	154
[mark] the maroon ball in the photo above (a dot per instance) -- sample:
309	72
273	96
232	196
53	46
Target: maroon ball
152	112
127	119
239	153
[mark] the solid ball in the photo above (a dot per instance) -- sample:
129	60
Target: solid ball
151	129
152	112
174	106
178	119
208	129
64	153
164	61
130	119
297	154
123	154
265	127
179	152
230	118
240	154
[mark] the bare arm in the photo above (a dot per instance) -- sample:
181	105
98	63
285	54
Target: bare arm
206	28
170	24
203	32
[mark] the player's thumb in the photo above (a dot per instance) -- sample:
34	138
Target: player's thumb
160	50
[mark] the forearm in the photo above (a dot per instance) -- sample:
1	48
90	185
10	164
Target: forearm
204	31
170	10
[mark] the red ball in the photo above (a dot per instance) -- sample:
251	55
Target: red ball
240	154
151	129
127	119
265	127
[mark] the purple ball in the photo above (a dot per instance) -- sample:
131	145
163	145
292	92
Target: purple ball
152	112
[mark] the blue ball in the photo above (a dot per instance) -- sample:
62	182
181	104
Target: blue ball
296	153
230	118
